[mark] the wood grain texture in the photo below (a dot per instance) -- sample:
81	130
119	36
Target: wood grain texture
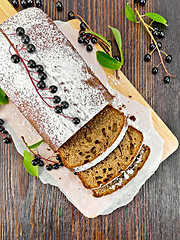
31	210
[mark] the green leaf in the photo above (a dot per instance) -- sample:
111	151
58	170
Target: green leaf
33	170
157	18
108	62
3	98
36	144
117	37
100	37
130	15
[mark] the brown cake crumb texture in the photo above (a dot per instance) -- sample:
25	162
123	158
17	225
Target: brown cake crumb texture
121	181
112	166
93	139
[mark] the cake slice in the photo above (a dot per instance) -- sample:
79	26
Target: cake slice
112	166
93	139
126	176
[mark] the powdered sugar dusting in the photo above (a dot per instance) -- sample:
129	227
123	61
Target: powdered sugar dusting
64	68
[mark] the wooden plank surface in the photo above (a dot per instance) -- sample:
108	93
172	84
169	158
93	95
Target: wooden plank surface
30	210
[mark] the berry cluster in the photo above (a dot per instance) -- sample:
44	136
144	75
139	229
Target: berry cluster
157	46
26	3
38	161
142	2
85	38
3	132
41	85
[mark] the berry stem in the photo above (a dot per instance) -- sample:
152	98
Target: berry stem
84	21
164	53
2	135
147	28
159	64
46	159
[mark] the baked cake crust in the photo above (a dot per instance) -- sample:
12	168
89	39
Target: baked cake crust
65	69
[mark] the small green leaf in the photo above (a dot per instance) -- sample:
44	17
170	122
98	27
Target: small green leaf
117	37
130	15
3	98
33	170
100	37
108	62
36	144
157	18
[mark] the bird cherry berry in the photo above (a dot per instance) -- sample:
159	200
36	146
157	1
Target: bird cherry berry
76	120
142	2
20	31
38	3
59	6
161	34
56	99
80	40
15	3
154	70
147	57
89	47
53	89
83	26
152	46
39	68
31	63
168	59
31	48
58	109
64	104
166	79
94	40
25	39
15	58
159	45
42	76
71	15
49	167
30	3
41	85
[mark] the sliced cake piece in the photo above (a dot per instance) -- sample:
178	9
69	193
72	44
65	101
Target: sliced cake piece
112	166
93	139
126	176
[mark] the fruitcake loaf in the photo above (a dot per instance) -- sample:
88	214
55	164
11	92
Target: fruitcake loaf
112	166
63	94
93	139
126	176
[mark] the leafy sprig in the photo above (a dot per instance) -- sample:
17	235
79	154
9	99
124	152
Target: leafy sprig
28	157
3	98
131	15
105	57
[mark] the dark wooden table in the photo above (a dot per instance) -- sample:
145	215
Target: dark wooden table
31	210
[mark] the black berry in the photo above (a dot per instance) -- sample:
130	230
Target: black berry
142	2
6	140
154	70
159	45
161	34
49	167
117	58
20	31
88	35
155	33
5	131
31	48
31	64
39	68
56	99
60	163
2	128
38	3
86	41
75	173
15	3
41	84
40	163
83	26
166	79
15	58
58	157
64	104
152	46
59	6
147	57
136	1
110	42
71	15
53	89
94	40
80	40
168	59
25	39
1	121
42	76
156	29
89	47
30	3
24	3
55	166
76	120
34	162
82	34
58	109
